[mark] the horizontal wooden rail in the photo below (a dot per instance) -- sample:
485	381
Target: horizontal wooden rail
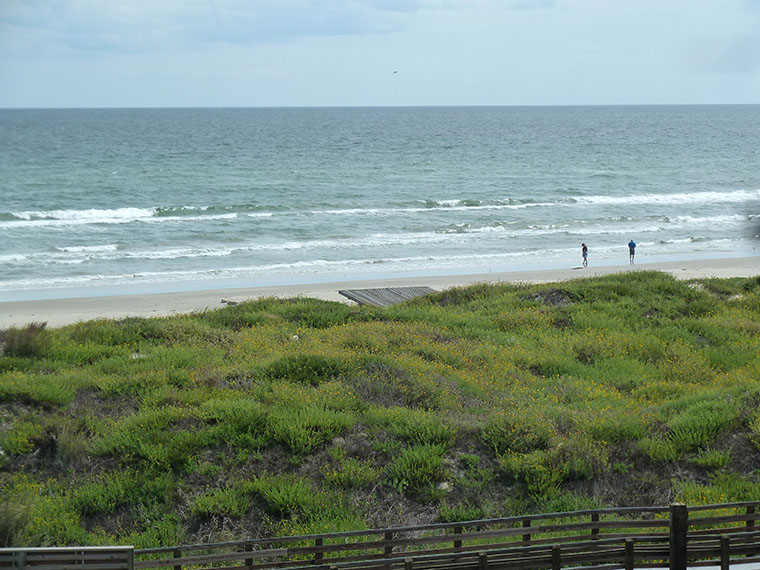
607	538
68	558
415	530
603	539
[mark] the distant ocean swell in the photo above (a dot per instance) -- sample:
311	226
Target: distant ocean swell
461	233
9	220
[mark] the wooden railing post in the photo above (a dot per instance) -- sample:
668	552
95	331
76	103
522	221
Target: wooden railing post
751	522
177	555
318	555
679	526
629	558
725	552
408	564
595	528
526	536
556	557
388	547
482	561
457	543
248	562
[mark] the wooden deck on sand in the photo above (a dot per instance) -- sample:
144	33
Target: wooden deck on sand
385	296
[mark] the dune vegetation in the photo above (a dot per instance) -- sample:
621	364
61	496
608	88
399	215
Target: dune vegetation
296	416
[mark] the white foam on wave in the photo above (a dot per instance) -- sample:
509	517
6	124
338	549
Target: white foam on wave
62	218
178	253
86	215
733	219
88	248
13	258
706	197
416	210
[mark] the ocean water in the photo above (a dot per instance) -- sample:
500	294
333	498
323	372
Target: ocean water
105	201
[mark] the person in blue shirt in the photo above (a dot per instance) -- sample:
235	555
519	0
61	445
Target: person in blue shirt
631	250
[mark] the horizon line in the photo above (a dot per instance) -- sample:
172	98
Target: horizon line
443	106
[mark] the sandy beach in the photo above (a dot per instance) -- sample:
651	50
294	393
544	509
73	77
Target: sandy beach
60	312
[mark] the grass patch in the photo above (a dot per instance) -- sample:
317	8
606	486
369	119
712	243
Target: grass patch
417	469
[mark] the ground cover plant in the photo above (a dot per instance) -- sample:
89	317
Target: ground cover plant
296	416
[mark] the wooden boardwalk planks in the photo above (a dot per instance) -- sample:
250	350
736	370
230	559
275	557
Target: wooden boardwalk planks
385	296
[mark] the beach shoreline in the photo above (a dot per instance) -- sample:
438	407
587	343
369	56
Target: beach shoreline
63	311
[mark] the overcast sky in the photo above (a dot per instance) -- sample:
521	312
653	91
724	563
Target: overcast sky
252	53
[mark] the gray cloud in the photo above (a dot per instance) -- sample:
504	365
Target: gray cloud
731	55
532	4
144	25
242	22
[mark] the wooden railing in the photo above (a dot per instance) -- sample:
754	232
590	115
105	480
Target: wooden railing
626	538
78	557
599	539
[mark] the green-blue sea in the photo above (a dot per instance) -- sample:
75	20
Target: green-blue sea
102	201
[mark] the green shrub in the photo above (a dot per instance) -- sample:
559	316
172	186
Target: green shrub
569	502
150	437
417	427
112	490
44	389
514	432
156	530
102	496
16	497
236	417
700	424
350	473
723	488
427	429
306	368
229	501
535	471
19	438
304	429
617	428
327	513
81	354
754	426
315	313
522	319
27	342
38	514
417	468
464	512
712	458
113	333
660	449
401	381
577	457
686	365
285	495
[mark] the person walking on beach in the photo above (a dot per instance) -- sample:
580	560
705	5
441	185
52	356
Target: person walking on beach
631	250
584	252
